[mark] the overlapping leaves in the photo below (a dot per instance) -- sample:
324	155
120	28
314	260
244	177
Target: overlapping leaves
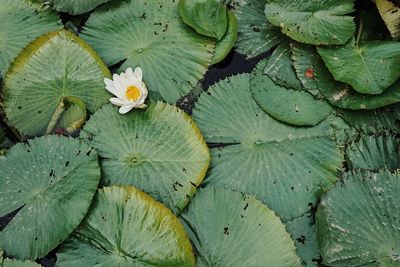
158	150
22	22
49	181
52	83
151	34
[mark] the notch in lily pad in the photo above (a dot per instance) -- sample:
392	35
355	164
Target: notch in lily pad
52	83
207	17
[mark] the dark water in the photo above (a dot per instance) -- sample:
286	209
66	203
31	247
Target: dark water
233	64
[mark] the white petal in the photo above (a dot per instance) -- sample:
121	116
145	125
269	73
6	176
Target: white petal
126	108
108	82
118	102
139	73
140	101
129	72
119	87
145	92
142	106
133	80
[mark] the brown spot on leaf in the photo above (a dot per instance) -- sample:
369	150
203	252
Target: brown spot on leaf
309	73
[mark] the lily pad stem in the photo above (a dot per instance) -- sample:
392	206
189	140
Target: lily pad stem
56	117
360	29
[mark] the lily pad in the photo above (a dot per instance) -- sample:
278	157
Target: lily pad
159	150
75	7
313	22
374	153
255	34
126	227
317	79
151	34
225	45
22	22
390	13
207	17
290	106
50	181
304	234
370	67
56	69
16	263
280	69
374	121
261	156
357	222
229	228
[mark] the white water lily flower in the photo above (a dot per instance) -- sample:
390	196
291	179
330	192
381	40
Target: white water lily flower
129	89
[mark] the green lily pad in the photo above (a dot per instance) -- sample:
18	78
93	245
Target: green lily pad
255	34
52	181
225	45
73	117
207	17
151	34
159	150
16	263
374	153
374	121
358	222
291	106
280	69
126	227
370	67
228	228
262	157
56	69
313	22
75	7
22	22
304	234
390	13
317	79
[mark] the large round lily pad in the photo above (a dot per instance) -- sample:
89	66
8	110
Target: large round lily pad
313	22
55	72
358	222
22	22
151	34
159	150
52	181
317	79
255	34
75	7
285	167
291	106
229	228
125	227
370	67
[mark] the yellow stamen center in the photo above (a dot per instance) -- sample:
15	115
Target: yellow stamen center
133	93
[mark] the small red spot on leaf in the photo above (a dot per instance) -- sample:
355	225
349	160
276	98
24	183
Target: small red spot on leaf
309	73
60	131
